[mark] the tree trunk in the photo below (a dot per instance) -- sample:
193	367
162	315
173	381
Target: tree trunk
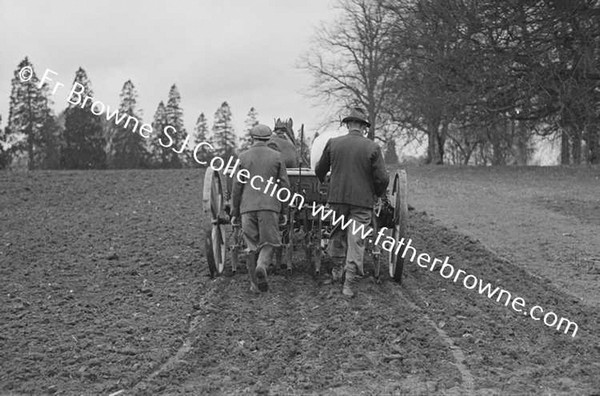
593	142
482	159
371	116
432	142
522	157
565	152
498	155
371	131
390	152
442	143
469	152
30	154
576	146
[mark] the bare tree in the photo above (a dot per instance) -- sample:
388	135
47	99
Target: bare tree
437	62
478	77
350	61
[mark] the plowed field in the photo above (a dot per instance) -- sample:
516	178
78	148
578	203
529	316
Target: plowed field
105	290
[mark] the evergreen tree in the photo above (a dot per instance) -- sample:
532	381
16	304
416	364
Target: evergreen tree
52	135
223	134
159	155
251	122
201	135
109	130
84	136
3	147
53	143
29	114
174	114
127	147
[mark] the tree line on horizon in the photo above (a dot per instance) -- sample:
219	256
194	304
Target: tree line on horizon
476	80
35	138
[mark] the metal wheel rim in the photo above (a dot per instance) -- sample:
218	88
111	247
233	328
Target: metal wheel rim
213	193
218	248
216	196
392	257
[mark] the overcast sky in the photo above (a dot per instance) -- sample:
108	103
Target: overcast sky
243	52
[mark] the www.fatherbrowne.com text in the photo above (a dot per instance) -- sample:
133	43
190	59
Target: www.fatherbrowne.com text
447	270
271	187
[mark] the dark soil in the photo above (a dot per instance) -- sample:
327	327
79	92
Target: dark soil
105	288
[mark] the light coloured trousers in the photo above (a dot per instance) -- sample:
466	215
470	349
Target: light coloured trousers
262	235
346	244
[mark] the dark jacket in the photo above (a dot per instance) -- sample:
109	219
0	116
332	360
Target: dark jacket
287	150
357	170
263	163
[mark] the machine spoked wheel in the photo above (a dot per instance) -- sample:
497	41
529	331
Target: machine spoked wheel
376	254
286	253
312	242
214	241
316	250
399	200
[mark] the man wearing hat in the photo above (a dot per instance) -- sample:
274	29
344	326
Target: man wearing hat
358	175
259	211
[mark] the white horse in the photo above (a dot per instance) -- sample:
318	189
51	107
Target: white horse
318	144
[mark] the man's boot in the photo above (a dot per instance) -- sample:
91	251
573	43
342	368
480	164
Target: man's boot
279	258
261	279
251	266
349	281
337	271
264	257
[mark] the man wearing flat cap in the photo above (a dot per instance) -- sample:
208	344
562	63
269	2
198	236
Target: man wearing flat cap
259	210
358	176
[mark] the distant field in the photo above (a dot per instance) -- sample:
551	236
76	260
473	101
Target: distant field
105	289
545	220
